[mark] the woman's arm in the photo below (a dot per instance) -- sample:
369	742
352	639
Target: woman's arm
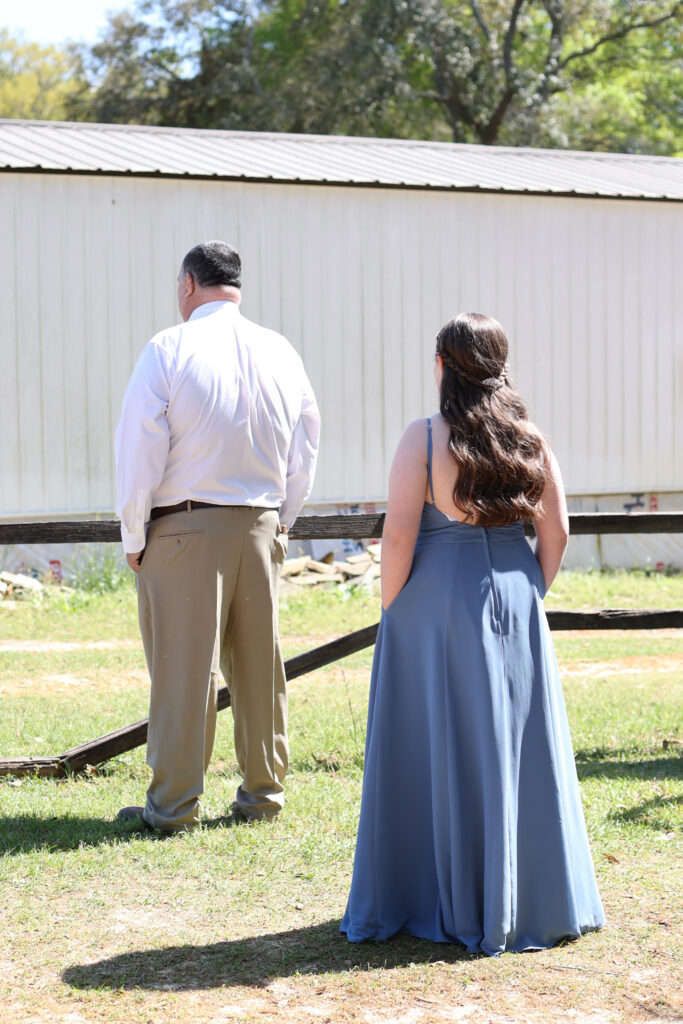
552	525
407	488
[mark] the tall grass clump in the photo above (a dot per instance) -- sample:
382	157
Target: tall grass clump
101	573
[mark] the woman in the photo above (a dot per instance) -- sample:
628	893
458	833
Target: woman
471	827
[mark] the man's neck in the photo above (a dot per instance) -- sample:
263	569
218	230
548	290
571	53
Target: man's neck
204	295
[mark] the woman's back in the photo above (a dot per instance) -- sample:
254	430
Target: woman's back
444	471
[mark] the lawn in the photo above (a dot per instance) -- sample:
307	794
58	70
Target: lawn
240	923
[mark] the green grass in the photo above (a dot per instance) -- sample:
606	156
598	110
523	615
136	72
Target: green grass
616	588
63	615
102	923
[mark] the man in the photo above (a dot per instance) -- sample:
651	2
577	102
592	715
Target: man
215	453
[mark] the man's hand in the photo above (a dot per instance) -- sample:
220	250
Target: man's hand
134	559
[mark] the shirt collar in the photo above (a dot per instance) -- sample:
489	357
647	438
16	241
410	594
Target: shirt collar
207	308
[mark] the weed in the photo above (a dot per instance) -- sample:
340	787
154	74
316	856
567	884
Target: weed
102	574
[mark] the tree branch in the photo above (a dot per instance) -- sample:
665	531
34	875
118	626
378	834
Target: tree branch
457	111
154	61
489	131
509	36
479	18
448	95
552	61
619	34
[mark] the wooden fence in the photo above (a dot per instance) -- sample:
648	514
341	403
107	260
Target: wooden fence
333	527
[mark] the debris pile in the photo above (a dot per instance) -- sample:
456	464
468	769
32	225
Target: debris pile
359	569
17	585
302	571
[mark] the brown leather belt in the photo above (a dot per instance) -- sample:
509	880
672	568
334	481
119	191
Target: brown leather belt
184	506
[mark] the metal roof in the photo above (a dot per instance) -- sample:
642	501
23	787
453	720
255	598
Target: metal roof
73	147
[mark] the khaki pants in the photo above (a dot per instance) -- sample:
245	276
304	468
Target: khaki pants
208	599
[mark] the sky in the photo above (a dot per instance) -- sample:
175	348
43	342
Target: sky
52	22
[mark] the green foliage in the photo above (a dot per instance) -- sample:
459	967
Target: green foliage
535	72
628	97
36	82
101	574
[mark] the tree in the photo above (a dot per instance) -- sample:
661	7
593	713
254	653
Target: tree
628	99
344	67
190	63
276	65
497	65
509	72
36	82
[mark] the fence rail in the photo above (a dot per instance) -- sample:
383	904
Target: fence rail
352	527
95	752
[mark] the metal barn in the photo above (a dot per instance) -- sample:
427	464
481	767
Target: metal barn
357	250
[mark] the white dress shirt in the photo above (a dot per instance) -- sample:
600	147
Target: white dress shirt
218	409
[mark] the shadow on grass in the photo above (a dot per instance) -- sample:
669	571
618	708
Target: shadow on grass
256	961
652	813
589	767
22	833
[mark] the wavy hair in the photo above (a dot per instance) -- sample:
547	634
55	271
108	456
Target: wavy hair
502	458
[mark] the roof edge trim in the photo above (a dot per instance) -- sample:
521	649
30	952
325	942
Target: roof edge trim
341	183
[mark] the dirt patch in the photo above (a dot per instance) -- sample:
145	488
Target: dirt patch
60	684
634	665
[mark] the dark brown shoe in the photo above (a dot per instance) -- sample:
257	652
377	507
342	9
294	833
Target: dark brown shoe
243	816
134	813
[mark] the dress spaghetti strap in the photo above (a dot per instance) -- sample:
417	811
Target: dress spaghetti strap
429	458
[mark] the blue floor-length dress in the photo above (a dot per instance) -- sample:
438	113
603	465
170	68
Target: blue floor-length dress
471	826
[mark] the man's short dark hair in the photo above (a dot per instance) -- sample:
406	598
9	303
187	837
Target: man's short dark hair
214	264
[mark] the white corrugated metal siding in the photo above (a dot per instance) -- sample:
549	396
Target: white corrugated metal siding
360	280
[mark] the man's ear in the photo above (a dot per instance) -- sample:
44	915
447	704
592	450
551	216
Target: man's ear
189	285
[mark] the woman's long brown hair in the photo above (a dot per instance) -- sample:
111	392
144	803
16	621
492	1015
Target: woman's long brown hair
502	459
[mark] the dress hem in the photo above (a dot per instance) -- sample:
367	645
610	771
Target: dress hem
472	950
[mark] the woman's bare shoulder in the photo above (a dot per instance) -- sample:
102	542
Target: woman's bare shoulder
415	434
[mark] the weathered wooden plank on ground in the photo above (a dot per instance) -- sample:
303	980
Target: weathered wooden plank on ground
105	747
45	767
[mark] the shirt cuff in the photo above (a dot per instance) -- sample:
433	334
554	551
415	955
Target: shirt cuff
286	518
132	542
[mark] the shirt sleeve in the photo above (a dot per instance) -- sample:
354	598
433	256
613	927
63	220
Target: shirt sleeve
303	454
141	444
